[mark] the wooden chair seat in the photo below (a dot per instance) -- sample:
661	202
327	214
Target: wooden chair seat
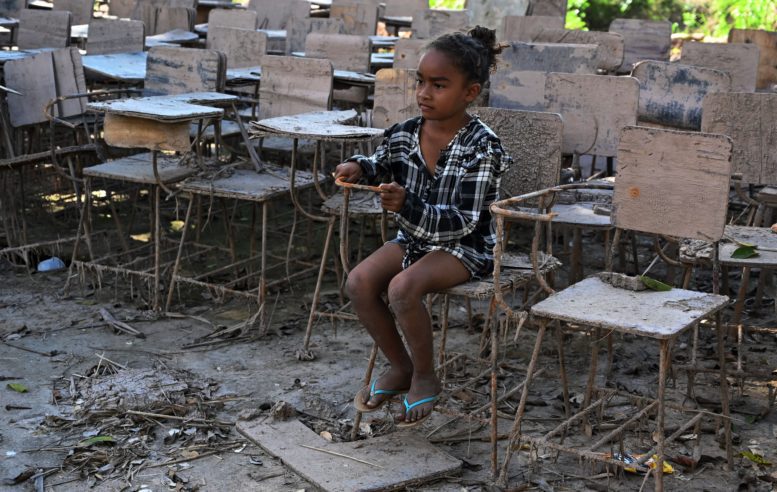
137	169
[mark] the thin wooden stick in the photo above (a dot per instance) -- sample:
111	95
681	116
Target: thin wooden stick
356	186
333	453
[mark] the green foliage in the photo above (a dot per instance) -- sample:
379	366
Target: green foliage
446	4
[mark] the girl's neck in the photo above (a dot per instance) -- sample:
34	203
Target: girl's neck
449	126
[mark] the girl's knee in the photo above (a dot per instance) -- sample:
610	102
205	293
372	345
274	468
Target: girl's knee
401	293
359	284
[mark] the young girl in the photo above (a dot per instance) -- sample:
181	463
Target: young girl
445	168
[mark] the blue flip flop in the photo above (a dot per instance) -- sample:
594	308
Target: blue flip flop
410	406
359	400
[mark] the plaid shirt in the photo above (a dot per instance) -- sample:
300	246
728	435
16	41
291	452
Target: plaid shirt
447	211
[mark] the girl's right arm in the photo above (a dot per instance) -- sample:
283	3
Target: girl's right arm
370	167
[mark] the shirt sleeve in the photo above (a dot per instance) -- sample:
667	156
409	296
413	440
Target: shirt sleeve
447	223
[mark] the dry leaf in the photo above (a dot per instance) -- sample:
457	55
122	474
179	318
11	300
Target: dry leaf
189	454
326	435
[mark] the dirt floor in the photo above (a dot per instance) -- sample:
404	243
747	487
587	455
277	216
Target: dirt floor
82	403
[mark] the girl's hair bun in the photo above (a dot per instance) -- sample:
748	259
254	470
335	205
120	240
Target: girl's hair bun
474	53
487	37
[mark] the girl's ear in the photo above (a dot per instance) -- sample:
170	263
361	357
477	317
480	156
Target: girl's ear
473	91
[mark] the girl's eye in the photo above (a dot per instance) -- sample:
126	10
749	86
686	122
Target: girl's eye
419	82
439	86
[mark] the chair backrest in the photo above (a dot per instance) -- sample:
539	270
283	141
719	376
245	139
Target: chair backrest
81	10
525	28
671	94
292	85
767	42
672	182
115	36
345	51
41	78
272	14
408	52
740	60
643	40
44	29
173	70
235	18
609	54
533	140
165	19
404	8
431	23
12	8
489	13
749	119
394	97
519	81
243	47
556	8
595	108
300	28
359	18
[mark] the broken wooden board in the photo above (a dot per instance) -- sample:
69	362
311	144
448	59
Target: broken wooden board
610	45
314	126
345	51
122	67
400	459
533	140
767	43
527	28
394	97
294	85
249	185
407	53
671	94
181	70
34	77
431	23
243	47
595	108
237	19
740	60
116	36
643	40
762	237
672	183
138	168
157	108
43	29
519	81
132	132
597	304
359	18
749	119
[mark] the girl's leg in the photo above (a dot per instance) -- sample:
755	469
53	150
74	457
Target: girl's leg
434	272
365	286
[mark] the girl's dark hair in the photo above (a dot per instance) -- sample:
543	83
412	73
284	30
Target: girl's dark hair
474	53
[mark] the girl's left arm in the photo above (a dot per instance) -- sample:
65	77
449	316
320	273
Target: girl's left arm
446	223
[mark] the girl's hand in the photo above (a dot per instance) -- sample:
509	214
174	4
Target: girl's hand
349	171
393	196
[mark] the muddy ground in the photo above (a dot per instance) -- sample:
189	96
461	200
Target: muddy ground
52	429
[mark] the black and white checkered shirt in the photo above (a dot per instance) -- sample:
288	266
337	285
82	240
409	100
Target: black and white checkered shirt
447	211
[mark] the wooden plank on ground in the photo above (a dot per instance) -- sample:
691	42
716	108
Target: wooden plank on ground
767	43
595	108
740	60
131	132
643	40
292	85
34	78
672	183
671	94
610	52
397	460
394	97
525	28
431	23
533	140
115	36
519	80
749	119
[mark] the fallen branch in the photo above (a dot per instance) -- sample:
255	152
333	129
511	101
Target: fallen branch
176	417
184	460
333	453
119	325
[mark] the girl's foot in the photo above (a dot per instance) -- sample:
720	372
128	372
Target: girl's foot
423	387
392	380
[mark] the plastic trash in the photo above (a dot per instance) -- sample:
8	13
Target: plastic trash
51	265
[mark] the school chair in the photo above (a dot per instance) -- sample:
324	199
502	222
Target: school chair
653	162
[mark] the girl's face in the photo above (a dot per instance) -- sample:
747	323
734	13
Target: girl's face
442	90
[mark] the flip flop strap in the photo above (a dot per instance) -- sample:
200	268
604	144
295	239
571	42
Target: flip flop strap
409	407
374	391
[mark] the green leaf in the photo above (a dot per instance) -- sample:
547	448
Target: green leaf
654	284
744	252
94	440
755	458
19	388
